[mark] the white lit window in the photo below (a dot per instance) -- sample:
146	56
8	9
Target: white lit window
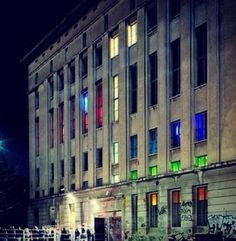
114	46
115	98
115	178
132	33
116	152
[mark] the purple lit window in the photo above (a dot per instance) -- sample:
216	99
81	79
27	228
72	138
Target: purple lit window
201	126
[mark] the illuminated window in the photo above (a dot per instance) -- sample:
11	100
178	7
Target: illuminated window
153	171
115	98
37	136
71	69
201	126
72	165
201	206
152	15
133	147
114	44
201	161
85	111
60	79
153	141
132	32
133	175
61	123
99	105
51	131
175	166
152	209
175	134
72	117
153	79
116	152
175	208
133	81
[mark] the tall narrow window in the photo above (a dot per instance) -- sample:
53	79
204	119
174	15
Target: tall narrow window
51	131
36	77
51	87
84	65
132	31
152	209
175	134
133	88
153	79
151	15
134	212
201	206
99	105
37	136
153	141
174	6
52	173
72	165
175	208
37	177
85	111
61	122
99	157
133	147
71	71
201	126
201	42
36	100
99	182
85	161
115	98
51	67
62	169
84	40
60	79
114	44
66	54
72	117
175	68
98	55
116	152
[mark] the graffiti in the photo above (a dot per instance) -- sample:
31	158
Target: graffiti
225	224
162	210
186	211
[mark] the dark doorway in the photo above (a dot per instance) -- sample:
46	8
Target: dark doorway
100	230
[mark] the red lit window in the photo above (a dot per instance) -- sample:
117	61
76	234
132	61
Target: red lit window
99	107
202	206
51	116
61	122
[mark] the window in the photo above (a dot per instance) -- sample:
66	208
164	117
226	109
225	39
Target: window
62	169
99	158
85	185
201	44
106	22
133	175
133	82
84	40
51	126
61	123
114	44
84	65
132	4
37	136
72	117
36	77
52	173
85	161
115	98
51	87
201	161
37	177
132	32
134	212
36	100
201	206
71	69
115	178
175	208
60	79
66	54
99	182
201	126
152	209
51	191
175	68
175	166
85	111
153	79
116	152
72	187
153	141
133	147
99	105
175	134
174	8
51	67
153	171
72	165
151	15
98	55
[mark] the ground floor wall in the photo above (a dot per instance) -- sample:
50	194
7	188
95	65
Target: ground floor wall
125	209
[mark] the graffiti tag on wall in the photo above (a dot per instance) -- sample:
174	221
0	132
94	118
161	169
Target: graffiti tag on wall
186	210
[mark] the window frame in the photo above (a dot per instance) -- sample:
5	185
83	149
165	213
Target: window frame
132	31
99	104
153	143
175	143
175	211
152	213
201	126
134	147
114	44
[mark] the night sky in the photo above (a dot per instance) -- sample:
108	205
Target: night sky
23	24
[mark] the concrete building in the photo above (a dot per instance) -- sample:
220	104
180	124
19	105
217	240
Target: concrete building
132	119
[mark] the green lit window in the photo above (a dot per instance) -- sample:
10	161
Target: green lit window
201	161
153	171
175	166
134	175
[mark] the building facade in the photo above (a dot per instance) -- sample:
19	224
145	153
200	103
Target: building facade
132	119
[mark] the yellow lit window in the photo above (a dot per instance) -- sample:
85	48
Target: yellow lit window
114	46
115	98
132	33
154	199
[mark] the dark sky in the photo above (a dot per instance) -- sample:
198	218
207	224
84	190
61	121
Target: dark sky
22	24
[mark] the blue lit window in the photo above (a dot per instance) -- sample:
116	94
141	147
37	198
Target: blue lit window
153	141
133	147
85	111
201	126
175	133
